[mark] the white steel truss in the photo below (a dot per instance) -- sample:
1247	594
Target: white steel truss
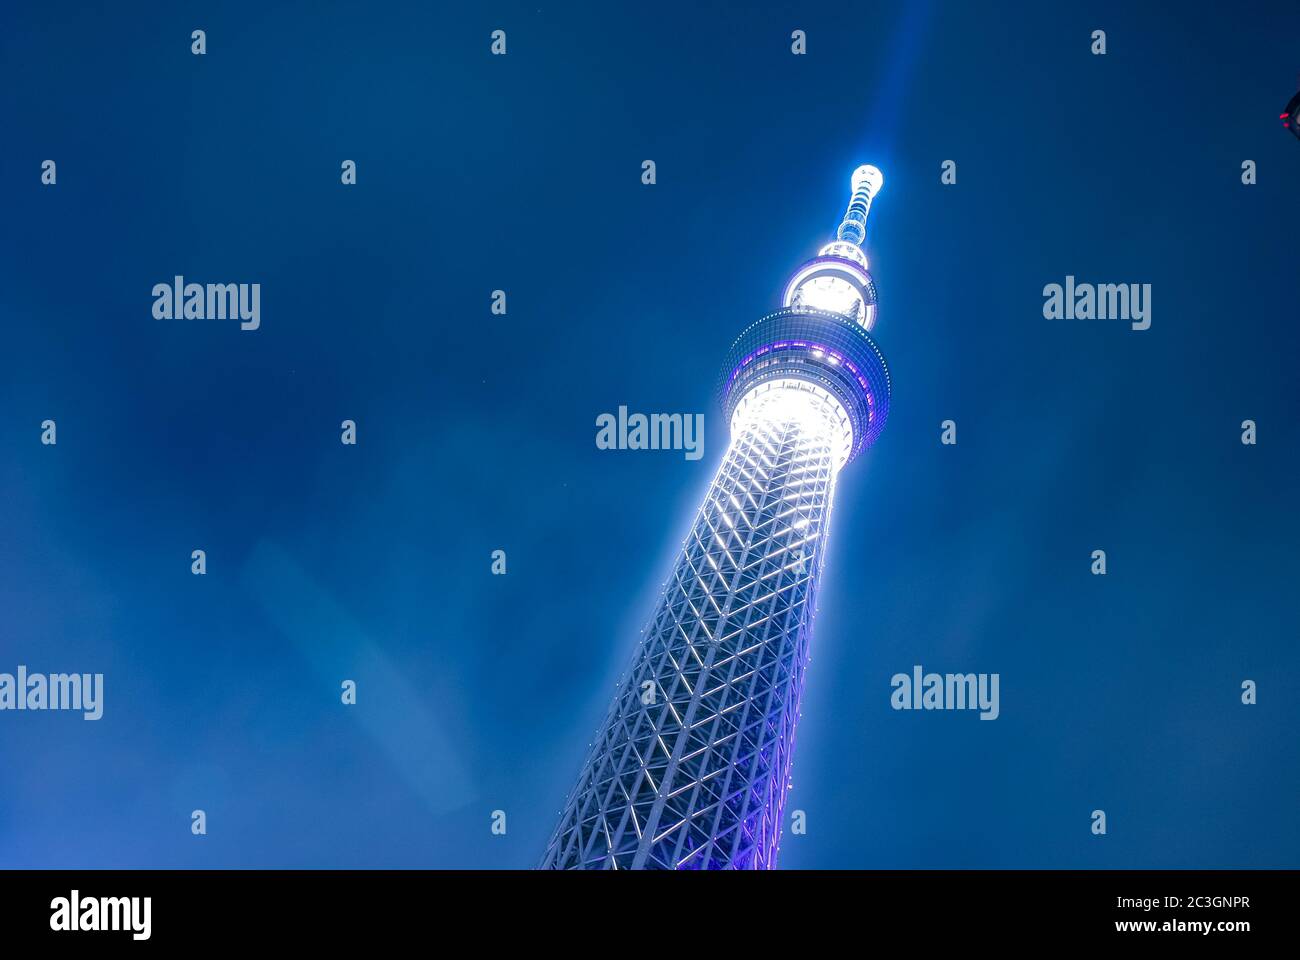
691	767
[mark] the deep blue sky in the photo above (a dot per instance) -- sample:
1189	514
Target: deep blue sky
477	432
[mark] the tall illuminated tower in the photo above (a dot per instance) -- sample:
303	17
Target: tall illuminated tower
691	767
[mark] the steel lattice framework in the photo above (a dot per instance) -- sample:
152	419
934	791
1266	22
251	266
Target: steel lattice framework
691	766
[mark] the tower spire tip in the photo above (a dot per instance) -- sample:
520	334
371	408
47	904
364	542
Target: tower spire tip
866	181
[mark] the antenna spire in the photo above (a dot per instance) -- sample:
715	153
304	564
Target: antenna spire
867	181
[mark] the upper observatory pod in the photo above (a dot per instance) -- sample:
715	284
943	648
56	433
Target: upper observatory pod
837	278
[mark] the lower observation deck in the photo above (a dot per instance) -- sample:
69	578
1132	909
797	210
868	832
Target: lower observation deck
823	348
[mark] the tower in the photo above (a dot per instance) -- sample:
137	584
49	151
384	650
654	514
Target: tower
691	767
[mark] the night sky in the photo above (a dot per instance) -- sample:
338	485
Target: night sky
476	432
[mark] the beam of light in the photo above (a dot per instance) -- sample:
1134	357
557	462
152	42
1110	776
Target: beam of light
391	711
